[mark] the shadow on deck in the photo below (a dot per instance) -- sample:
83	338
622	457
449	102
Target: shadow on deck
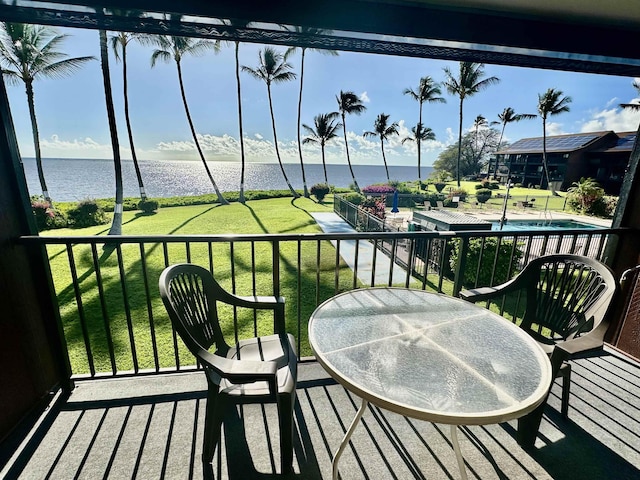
151	427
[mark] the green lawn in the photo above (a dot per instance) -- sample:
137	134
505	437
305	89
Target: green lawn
282	215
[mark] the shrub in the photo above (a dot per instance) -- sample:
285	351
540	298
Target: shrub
148	206
458	192
480	186
483	276
87	214
483	194
439	186
354	197
46	217
493	185
320	190
374	206
378	190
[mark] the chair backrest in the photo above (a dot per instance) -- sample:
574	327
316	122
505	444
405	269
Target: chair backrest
567	295
189	294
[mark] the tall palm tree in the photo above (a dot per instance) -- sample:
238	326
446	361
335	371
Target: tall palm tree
324	130
419	134
273	68
383	131
305	31
509	115
175	48
550	103
239	24
119	43
428	91
116	222
28	53
468	82
348	103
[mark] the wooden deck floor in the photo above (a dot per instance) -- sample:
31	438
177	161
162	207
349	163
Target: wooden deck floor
151	428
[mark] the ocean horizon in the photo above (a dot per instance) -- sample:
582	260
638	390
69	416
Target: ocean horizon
70	179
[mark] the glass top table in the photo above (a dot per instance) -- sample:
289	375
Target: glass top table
428	356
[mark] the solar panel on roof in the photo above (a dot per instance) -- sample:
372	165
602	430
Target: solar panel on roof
570	142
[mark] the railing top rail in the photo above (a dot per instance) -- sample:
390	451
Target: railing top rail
281	237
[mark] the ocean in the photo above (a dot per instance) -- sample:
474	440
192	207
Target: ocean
79	179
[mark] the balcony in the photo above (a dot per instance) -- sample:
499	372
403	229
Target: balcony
151	427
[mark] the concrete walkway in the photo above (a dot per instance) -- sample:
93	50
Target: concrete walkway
331	223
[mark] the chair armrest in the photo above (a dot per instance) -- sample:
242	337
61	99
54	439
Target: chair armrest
259	303
479	294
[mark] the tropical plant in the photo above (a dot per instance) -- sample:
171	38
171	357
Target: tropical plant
383	131
428	91
468	82
348	103
119	43
324	130
176	48
550	103
508	115
420	134
488	260
583	194
306	31
273	68
28	53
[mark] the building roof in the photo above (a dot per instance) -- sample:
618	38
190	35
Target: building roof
557	143
623	144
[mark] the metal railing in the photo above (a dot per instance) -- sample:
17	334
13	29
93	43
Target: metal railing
114	322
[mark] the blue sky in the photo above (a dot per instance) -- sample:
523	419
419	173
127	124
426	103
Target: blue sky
73	123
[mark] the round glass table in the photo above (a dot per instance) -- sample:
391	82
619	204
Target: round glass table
428	356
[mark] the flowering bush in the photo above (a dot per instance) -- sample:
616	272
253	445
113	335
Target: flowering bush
44	214
374	206
378	189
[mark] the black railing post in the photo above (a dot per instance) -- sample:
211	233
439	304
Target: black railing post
461	265
275	255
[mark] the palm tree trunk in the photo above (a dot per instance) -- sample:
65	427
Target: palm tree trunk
346	146
304	178
459	145
418	145
242	159
36	142
544	155
116	223
143	195
221	199
384	159
324	165
495	172
275	141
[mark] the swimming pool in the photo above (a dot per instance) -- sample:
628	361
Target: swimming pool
512	225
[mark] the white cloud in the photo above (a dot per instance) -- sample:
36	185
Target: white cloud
364	97
258	136
554	128
616	119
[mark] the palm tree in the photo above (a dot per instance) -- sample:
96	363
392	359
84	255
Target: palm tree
550	103
273	68
383	131
305	31
239	24
119	43
469	82
324	130
428	91
175	48
28	53
420	134
116	222
348	102
508	115
633	106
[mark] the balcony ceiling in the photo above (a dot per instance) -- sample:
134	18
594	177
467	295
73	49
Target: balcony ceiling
578	35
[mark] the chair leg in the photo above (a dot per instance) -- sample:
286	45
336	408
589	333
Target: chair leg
565	372
215	409
286	403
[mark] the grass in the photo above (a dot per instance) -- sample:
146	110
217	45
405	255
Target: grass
103	295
